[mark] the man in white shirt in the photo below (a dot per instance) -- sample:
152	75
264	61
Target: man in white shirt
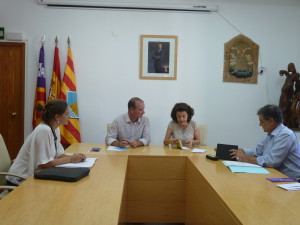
130	129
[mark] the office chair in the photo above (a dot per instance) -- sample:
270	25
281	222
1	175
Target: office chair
203	134
5	163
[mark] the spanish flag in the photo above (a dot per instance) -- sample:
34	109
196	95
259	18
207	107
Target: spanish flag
70	133
55	86
40	93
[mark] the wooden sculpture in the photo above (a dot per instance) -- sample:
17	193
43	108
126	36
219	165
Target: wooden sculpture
290	97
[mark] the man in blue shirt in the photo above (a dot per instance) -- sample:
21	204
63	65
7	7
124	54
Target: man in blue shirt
279	150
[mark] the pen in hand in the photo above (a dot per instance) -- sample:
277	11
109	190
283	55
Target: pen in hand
83	156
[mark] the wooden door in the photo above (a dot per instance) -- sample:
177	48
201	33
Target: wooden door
12	73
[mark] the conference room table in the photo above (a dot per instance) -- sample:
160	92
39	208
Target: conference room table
152	184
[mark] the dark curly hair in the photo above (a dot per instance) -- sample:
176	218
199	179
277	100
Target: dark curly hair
182	107
53	107
271	111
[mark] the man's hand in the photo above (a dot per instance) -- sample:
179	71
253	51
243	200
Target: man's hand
124	143
238	154
135	144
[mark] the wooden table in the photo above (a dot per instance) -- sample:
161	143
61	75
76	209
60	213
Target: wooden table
152	184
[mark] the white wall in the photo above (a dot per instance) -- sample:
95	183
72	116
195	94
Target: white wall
105	47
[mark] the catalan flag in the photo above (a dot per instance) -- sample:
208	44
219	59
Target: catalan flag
70	133
55	86
40	93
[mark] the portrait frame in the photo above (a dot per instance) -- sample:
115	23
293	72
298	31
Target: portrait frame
158	57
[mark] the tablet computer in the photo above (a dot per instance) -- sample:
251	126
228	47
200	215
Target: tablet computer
223	151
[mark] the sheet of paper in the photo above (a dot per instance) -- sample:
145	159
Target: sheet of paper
240	167
113	148
89	162
250	169
184	148
195	150
290	187
236	163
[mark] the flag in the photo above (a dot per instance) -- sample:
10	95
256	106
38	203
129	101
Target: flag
40	93
54	91
70	133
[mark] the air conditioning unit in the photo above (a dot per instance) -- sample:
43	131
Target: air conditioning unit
123	5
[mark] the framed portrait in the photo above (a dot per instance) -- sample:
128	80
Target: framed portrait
240	60
158	57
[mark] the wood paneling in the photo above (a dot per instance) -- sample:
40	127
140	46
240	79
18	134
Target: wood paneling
155	212
203	205
152	167
156	190
123	210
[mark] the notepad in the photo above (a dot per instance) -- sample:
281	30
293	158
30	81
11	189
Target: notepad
290	187
89	162
120	149
198	150
241	167
236	163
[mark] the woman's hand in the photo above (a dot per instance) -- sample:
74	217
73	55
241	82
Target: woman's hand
189	143
173	141
77	158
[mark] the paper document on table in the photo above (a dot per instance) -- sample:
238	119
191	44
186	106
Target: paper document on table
236	163
89	162
246	169
113	148
195	150
290	187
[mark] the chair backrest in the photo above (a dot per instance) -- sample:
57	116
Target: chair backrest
203	134
5	161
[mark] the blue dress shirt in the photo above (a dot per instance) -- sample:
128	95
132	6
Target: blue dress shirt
279	150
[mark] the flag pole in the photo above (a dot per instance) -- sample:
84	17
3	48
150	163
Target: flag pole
55	86
40	92
43	40
69	42
70	133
